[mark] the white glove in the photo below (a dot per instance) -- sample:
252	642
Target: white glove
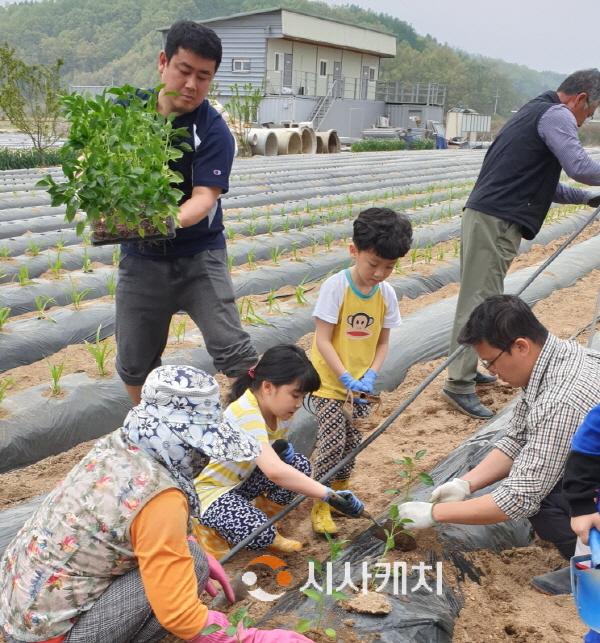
453	491
419	513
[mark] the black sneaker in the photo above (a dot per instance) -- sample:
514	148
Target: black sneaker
483	379
469	404
553	583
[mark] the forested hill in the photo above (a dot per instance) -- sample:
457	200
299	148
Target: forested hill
115	41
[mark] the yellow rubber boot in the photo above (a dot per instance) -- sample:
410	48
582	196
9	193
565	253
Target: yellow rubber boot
321	519
340	485
268	507
209	540
285	545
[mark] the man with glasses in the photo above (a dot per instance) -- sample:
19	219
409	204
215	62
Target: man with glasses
518	182
561	384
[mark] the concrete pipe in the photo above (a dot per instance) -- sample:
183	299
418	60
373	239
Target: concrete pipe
266	142
328	142
288	141
251	137
309	140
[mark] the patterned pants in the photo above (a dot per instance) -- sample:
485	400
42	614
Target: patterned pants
336	437
234	517
122	614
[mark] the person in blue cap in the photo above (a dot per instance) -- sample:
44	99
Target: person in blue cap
581	484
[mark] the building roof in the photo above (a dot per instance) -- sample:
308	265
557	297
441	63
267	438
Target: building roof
302	13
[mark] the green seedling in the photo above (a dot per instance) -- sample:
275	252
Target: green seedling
4	315
286	225
440	254
229	263
248	313
409	474
56	266
299	294
179	330
56	371
60	245
414	253
86	266
238	621
116	256
41	303
111	285
251	229
4	252
250	258
23	276
300	225
269	226
77	296
230	234
86	239
398	268
5	384
320	596
295	255
328	240
456	247
428	253
99	350
272	303
33	249
276	255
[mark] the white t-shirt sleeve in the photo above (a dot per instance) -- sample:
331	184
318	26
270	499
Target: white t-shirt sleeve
392	317
331	296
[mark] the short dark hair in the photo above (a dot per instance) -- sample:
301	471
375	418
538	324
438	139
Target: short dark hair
386	232
582	81
499	320
194	37
281	364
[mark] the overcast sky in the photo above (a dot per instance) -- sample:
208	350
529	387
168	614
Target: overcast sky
536	33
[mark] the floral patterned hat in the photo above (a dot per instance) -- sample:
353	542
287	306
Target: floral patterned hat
179	423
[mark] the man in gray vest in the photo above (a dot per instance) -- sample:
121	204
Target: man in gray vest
518	182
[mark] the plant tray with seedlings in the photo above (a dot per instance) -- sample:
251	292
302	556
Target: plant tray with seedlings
117	164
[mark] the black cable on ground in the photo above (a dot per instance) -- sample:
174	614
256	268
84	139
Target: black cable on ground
396	413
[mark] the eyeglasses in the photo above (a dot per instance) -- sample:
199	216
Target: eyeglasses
490	362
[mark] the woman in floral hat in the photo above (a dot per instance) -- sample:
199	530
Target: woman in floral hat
106	558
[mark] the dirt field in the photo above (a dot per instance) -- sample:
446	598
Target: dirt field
503	607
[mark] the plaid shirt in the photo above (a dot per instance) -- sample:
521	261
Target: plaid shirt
564	385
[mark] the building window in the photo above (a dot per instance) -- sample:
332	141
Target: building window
278	61
371	73
240	65
323	68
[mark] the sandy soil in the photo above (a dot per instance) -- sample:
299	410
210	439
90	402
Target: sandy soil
503	607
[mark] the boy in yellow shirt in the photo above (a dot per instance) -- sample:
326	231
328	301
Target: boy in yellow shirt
354	313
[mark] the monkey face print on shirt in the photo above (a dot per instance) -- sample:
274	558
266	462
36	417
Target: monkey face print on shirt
358	325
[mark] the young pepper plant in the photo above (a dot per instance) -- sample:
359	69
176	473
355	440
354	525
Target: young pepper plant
116	161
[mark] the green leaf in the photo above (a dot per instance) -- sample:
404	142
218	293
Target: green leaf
330	632
426	479
339	596
231	630
303	625
313	594
211	629
391	492
79	228
394	512
420	454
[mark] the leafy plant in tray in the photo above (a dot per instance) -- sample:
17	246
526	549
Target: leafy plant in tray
116	164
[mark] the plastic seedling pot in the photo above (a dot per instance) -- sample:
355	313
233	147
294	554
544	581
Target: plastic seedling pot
102	235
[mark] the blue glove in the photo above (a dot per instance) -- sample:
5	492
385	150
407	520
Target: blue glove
351	384
285	450
368	380
345	502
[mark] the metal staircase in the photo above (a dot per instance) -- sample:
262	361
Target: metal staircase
322	107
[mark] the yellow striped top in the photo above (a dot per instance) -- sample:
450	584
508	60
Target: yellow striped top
220	477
